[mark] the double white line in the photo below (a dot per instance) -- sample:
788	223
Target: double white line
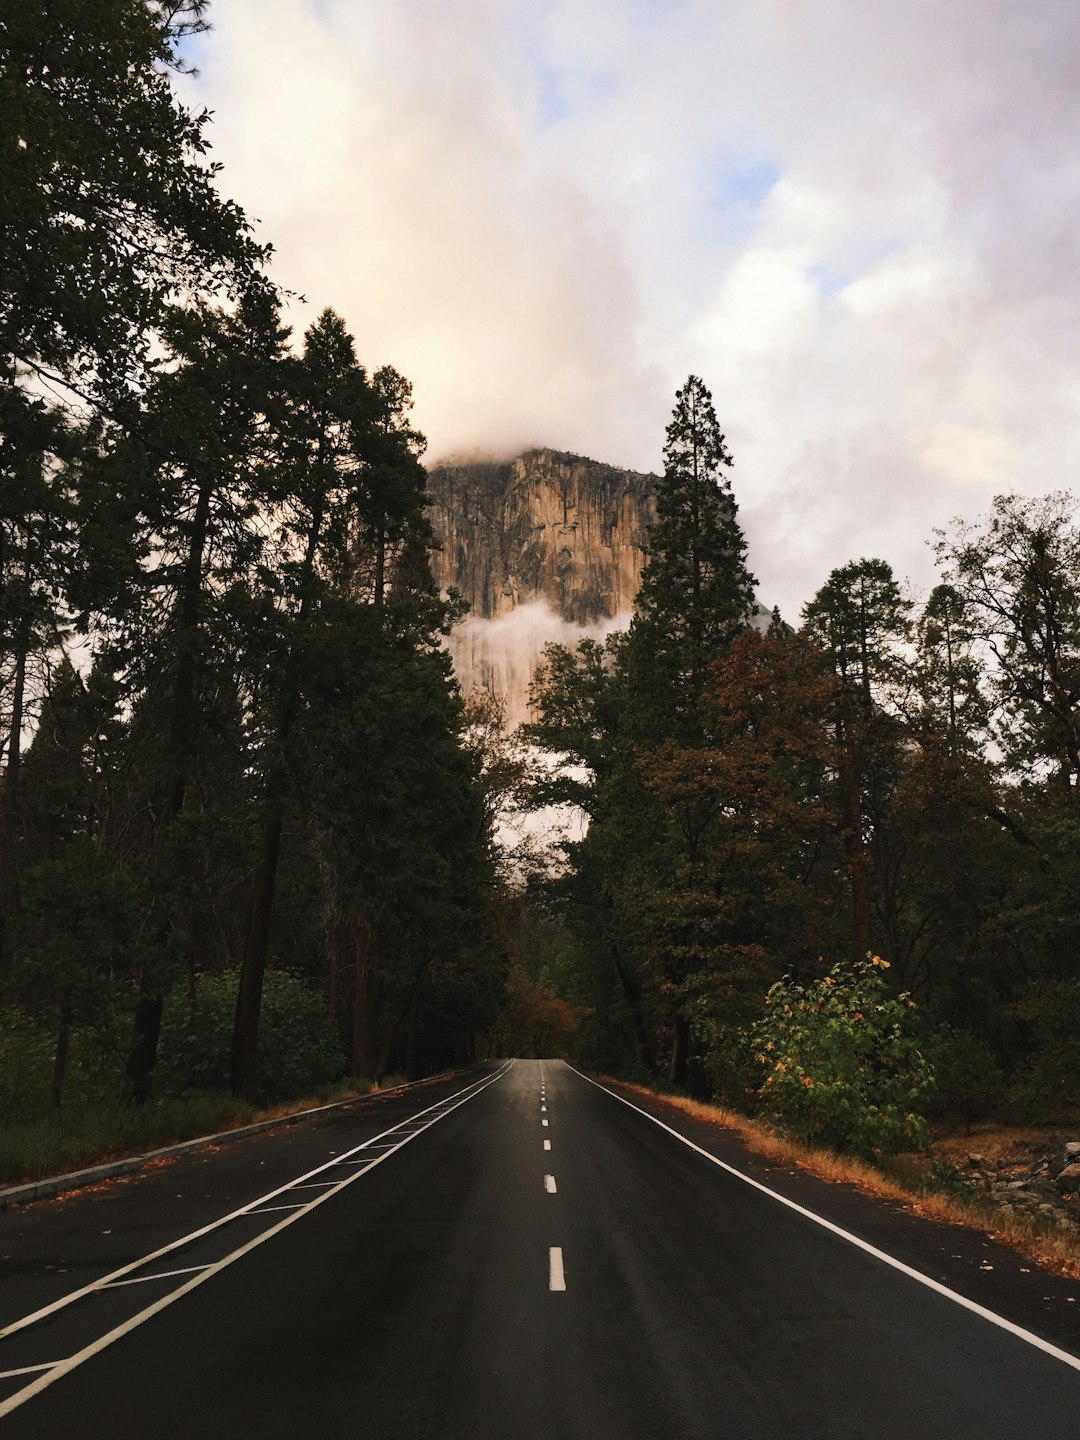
405	1130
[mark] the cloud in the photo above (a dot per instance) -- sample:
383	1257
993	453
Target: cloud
502	655
857	222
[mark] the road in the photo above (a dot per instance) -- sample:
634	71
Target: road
517	1252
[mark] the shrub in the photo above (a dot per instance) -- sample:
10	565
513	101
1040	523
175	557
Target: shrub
1048	1084
298	1047
842	1067
967	1082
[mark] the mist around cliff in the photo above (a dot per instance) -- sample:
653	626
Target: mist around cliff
501	655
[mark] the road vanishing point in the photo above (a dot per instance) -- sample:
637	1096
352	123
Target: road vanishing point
513	1252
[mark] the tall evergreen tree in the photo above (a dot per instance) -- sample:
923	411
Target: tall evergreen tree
857	619
696	593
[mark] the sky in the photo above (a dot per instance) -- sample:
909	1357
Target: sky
856	221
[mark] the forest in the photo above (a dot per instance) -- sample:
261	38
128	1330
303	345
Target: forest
247	821
244	839
832	871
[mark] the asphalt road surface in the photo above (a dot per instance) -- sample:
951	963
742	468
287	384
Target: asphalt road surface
517	1252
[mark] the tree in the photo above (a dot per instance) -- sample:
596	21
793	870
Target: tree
1017	575
857	619
696	593
633	715
199	497
111	212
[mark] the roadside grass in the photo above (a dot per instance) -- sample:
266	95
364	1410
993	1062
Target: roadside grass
79	1136
927	1185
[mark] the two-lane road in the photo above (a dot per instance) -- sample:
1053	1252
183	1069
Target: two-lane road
534	1257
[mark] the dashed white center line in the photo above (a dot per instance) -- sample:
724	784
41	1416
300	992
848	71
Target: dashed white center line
547	1144
543	1107
556	1277
543	1122
549	1184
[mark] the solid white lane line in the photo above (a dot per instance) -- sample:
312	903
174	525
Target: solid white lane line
367	1161
64	1367
999	1320
549	1184
27	1370
547	1144
556	1276
161	1275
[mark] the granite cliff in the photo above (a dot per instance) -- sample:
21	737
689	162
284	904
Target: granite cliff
545	546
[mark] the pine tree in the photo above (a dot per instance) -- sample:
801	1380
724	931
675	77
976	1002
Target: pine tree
857	619
696	593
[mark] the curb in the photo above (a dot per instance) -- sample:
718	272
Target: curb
79	1179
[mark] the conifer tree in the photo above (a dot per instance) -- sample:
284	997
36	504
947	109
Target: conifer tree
696	593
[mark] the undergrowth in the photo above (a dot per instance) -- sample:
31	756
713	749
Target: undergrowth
80	1136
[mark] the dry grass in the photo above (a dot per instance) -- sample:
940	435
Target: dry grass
1053	1250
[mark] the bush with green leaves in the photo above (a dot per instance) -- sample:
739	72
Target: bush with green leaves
1048	1086
968	1083
842	1063
299	1049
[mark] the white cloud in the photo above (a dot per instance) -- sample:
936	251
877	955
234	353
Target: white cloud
857	222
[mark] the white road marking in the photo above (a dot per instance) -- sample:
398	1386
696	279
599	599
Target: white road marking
266	1209
999	1320
543	1122
60	1368
543	1109
316	1184
556	1277
26	1370
366	1160
161	1275
547	1144
549	1184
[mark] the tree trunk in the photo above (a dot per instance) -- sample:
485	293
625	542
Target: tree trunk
147	1020
257	939
146	1030
854	850
243	1077
680	1052
9	894
410	1036
365	1058
632	992
63	1043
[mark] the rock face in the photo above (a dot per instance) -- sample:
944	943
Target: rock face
545	547
543	526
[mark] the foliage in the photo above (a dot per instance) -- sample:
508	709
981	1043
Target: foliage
1050	1009
537	1022
842	1065
968	1084
298	1049
696	593
1018	576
